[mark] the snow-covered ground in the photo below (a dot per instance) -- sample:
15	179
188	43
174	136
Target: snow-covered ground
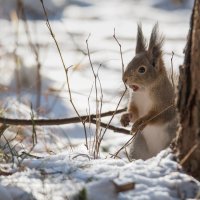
64	167
70	175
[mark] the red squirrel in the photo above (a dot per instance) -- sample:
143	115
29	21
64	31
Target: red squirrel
151	103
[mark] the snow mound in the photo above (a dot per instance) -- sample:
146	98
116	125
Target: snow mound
77	175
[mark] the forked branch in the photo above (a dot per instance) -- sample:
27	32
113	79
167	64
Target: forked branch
64	121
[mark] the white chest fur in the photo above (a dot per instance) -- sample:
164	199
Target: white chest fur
156	137
142	101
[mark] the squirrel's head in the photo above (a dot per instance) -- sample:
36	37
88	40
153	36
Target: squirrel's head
147	65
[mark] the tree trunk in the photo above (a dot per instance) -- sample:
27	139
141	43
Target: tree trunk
188	137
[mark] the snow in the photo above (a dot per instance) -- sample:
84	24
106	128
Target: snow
59	166
67	173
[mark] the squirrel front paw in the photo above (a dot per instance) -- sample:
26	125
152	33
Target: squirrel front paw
138	125
125	119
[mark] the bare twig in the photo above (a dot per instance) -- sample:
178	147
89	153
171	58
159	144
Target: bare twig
126	152
123	92
111	127
73	39
2	129
35	49
88	112
125	145
71	101
153	117
50	108
172	73
15	18
65	68
96	96
140	129
186	157
99	103
83	155
120	48
34	134
12	150
100	110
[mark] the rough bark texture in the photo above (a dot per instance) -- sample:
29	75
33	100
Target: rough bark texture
188	137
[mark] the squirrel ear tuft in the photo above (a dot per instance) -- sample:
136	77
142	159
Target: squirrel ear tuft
141	42
155	45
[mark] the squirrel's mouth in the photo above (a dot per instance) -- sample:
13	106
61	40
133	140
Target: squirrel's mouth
134	87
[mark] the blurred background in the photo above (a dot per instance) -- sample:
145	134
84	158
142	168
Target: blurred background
33	80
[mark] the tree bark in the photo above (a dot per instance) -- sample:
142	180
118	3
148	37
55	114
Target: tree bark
187	145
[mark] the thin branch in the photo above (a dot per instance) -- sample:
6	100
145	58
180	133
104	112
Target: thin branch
139	129
15	19
34	134
96	96
111	127
71	101
162	111
137	132
186	157
127	155
52	34
123	92
100	110
89	126
153	117
65	68
35	49
120	48
125	145
172	74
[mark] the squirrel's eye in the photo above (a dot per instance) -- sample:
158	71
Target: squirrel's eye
141	70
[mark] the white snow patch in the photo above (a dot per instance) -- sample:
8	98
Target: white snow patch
67	174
